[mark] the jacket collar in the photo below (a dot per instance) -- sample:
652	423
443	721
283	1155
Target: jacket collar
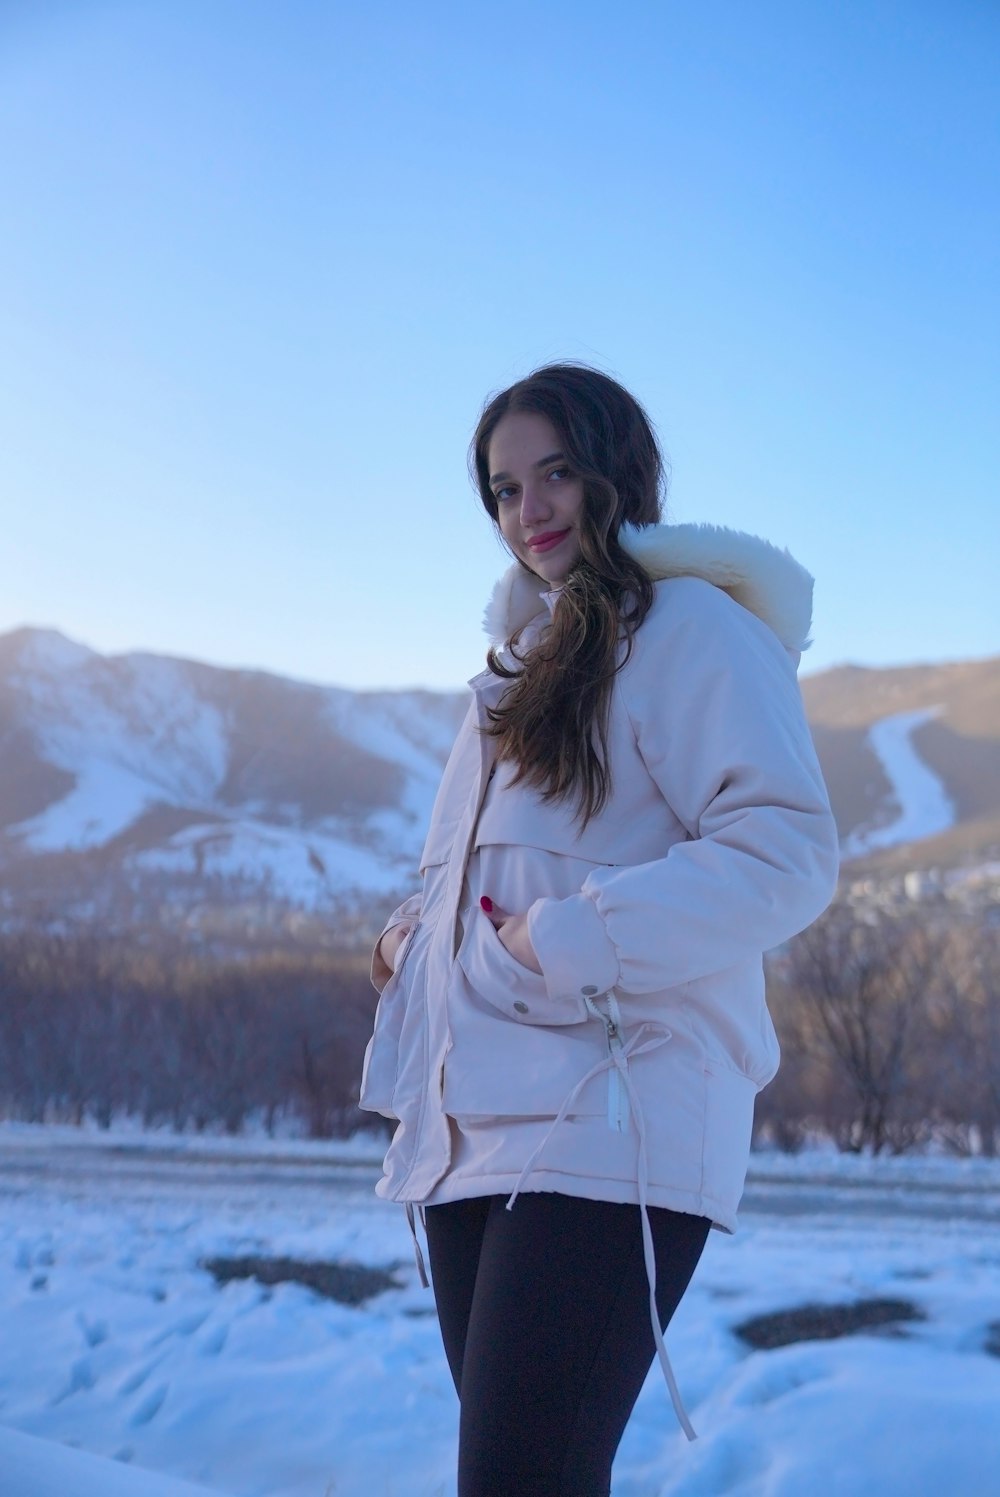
764	578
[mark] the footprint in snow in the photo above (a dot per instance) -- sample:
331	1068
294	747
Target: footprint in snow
186	1326
136	1379
150	1406
782	1373
82	1378
95	1332
214	1341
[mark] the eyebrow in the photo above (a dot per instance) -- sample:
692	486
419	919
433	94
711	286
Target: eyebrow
542	462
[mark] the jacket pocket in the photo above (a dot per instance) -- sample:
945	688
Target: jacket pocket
509	986
525	1068
395	1051
378	1075
496	1069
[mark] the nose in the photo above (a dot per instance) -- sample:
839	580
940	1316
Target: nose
535	504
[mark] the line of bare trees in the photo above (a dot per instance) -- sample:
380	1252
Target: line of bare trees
890	1033
95	1029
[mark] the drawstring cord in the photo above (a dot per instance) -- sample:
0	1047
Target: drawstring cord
620	1052
417	1251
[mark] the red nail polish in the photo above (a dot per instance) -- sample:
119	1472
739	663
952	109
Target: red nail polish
487	904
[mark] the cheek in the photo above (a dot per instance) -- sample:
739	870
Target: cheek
507	522
503	526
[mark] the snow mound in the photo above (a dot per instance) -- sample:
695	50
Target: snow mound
41	1468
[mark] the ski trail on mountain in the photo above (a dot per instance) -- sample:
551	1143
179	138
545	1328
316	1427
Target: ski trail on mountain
924	806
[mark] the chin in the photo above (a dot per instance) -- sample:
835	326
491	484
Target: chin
554	575
553	580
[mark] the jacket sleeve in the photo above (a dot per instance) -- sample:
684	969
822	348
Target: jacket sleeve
718	719
406	914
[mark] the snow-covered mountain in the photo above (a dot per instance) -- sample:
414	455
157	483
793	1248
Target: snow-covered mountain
166	779
912	758
143	787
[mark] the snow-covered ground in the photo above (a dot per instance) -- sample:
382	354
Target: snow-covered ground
31	1467
116	1341
921	804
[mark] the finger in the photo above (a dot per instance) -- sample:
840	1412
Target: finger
493	911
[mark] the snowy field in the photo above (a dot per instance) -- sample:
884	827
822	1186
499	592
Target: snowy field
117	1344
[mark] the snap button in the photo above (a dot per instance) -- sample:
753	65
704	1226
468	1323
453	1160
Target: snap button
522	1008
589	991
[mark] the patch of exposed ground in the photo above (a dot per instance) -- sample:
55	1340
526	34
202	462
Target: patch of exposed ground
824	1322
347	1283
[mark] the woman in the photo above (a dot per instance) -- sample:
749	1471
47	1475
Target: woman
572	1025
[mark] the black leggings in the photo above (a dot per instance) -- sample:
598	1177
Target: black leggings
544	1315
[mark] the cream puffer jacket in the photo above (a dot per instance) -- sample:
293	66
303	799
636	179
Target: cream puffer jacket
628	1070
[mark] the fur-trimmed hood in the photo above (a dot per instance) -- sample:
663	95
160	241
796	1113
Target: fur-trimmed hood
764	578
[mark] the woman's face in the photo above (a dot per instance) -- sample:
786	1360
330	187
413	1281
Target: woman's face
539	500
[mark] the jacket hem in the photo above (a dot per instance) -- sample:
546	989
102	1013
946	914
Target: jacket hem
453	1187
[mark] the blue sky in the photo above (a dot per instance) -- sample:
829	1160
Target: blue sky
262	263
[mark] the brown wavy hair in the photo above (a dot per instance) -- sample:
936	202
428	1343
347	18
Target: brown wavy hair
553	720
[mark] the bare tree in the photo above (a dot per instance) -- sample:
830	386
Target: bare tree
966	1018
94	1028
861	988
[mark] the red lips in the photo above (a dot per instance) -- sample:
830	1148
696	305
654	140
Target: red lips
550	538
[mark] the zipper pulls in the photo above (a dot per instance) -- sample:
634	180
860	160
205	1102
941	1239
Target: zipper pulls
617	1095
618	1108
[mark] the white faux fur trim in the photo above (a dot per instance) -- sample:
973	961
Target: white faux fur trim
764	578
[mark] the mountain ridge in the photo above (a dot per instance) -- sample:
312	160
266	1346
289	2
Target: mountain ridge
136	781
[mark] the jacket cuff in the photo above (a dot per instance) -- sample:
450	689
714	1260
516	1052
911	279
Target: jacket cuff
573	947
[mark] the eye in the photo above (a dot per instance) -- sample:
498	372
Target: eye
503	492
559	473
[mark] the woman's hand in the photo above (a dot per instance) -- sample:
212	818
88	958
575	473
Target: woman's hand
388	948
513	933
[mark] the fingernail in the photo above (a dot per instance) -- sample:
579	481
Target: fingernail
487	904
